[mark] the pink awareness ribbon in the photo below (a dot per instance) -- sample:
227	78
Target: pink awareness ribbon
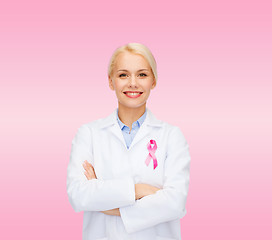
151	153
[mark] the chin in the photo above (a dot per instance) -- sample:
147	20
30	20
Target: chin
132	105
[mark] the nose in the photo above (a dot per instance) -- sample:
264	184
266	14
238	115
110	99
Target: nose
133	81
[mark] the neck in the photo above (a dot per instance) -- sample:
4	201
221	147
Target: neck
130	115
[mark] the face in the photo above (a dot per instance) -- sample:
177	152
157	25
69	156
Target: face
132	80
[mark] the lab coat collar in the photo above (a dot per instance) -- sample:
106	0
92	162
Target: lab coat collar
150	119
111	123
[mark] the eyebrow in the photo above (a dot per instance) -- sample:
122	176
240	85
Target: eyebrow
127	70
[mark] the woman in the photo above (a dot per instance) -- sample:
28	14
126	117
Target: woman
129	172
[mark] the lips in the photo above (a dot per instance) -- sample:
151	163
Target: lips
133	94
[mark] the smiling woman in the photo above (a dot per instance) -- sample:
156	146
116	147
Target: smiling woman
132	79
109	175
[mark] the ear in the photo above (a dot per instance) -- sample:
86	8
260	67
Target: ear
154	83
110	83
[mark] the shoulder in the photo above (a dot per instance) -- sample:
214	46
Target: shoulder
176	140
174	133
91	125
98	124
164	124
85	131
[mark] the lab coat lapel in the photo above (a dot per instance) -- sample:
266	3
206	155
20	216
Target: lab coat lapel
116	130
111	123
147	126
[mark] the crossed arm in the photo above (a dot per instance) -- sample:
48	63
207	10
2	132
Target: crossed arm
141	189
145	207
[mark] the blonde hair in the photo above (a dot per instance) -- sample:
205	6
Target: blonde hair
136	48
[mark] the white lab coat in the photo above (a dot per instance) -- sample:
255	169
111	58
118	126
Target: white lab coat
117	168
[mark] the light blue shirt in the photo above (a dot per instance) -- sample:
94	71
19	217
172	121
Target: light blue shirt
128	136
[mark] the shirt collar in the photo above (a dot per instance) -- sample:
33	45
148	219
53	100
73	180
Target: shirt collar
111	120
139	121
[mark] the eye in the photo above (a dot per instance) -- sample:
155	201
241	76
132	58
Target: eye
121	75
143	75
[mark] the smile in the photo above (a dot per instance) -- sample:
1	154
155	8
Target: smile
131	94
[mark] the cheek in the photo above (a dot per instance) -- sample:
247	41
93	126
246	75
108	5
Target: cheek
147	86
119	86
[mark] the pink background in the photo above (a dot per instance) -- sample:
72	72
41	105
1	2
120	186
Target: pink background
215	82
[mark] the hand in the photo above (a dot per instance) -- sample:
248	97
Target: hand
143	189
113	212
89	173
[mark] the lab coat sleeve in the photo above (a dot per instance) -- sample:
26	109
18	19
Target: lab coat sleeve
169	202
94	194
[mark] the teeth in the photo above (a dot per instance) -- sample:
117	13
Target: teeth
132	94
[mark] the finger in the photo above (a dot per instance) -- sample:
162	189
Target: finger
91	172
88	164
90	169
87	175
85	167
94	174
85	163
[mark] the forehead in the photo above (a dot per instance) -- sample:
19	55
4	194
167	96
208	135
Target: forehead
130	61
